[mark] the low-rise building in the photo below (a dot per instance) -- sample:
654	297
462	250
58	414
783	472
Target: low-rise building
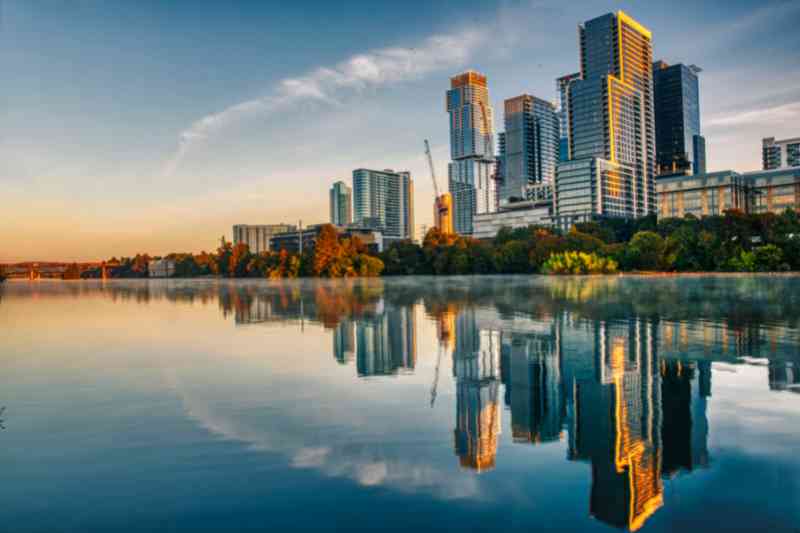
780	154
298	240
713	193
536	210
161	268
257	237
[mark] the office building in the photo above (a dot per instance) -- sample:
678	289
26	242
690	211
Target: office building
562	86
780	154
611	135
528	147
341	204
764	191
470	174
680	149
257	237
384	200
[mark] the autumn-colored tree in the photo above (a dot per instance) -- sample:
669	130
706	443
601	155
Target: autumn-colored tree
327	253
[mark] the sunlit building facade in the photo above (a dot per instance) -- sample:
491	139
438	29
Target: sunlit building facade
341	204
764	191
257	237
611	135
471	171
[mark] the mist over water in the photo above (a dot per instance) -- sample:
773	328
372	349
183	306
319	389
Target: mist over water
511	402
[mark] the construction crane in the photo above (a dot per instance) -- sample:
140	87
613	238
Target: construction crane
430	166
443	204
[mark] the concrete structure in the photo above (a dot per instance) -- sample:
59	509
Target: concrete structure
611	135
257	237
341	204
712	193
537	210
291	241
780	154
384	201
470	174
528	147
161	268
680	148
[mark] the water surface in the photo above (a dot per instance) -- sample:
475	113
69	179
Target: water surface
414	404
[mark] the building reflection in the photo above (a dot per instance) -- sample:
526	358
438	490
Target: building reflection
476	369
387	342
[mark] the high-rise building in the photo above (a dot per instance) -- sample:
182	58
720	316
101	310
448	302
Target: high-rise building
471	182
780	154
257	237
384	200
528	147
562	85
341	202
611	165
680	149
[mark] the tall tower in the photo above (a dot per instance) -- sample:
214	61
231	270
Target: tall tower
562	85
528	147
611	166
384	200
341	201
470	173
680	149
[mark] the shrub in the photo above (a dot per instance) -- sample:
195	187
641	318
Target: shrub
579	263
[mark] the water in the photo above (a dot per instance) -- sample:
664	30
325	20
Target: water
413	404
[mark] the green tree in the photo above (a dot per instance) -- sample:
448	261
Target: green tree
769	258
646	251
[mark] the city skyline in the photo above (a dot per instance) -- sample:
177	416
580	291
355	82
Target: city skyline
113	150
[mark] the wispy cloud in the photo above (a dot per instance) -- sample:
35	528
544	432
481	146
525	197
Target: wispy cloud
780	114
331	84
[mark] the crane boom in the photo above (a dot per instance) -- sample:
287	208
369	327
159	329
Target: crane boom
430	165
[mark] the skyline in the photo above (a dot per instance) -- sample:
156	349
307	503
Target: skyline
147	136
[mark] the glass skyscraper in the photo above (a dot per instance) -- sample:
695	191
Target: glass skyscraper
528	147
341	202
471	172
611	135
680	149
562	85
384	200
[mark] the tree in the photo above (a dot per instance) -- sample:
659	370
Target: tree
238	261
646	251
327	251
769	258
72	272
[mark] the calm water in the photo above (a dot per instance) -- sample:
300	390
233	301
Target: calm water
506	403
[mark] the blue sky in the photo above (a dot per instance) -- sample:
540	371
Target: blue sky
154	126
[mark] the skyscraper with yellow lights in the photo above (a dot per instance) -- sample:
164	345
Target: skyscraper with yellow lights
470	174
610	171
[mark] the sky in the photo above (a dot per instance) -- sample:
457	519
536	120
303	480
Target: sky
151	126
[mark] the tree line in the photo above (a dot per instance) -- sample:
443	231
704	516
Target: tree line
732	242
331	257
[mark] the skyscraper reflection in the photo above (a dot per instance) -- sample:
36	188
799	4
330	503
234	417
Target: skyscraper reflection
476	368
387	342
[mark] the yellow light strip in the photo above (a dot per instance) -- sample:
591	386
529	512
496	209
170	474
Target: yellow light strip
627	19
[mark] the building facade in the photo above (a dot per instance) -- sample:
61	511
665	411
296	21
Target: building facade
680	148
296	241
770	191
257	237
384	200
341	204
471	171
528	147
780	154
611	134
515	215
562	85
